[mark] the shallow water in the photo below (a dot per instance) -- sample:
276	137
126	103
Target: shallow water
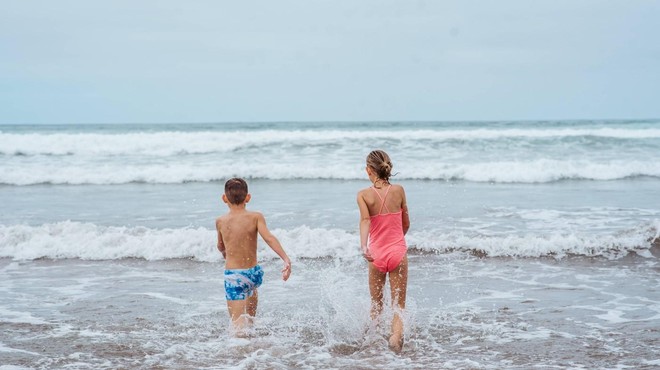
462	312
531	245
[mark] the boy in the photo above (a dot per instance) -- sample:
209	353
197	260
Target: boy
237	241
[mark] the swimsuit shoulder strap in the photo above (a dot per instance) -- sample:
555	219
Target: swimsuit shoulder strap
382	199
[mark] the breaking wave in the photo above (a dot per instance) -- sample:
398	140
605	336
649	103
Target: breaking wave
67	239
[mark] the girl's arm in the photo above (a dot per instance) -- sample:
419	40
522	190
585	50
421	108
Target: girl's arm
365	222
405	218
274	244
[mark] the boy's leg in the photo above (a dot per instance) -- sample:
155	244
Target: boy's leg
376	284
252	304
237	314
398	286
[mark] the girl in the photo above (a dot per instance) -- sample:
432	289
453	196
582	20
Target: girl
383	223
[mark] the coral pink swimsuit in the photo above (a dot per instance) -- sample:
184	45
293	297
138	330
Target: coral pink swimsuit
386	241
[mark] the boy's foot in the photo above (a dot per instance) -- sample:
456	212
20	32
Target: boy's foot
396	343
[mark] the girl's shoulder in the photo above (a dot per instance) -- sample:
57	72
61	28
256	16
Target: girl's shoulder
363	191
395	187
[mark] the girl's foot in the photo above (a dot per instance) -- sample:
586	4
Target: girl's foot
396	343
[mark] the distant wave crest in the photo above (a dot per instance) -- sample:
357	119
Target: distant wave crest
167	143
523	171
505	155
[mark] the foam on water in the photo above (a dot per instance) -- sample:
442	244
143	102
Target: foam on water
62	240
519	153
521	171
166	143
19	317
7	349
461	312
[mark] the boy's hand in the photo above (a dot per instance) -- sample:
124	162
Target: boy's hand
286	271
367	254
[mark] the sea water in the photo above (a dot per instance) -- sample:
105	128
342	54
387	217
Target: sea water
532	244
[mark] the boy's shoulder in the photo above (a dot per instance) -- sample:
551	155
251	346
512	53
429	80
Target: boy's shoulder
255	214
219	220
247	213
245	219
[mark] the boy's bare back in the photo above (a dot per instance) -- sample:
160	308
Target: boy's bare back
238	232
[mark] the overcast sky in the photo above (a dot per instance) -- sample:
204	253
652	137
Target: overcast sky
215	61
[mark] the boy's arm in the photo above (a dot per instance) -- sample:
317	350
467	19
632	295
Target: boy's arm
221	244
274	244
365	223
404	214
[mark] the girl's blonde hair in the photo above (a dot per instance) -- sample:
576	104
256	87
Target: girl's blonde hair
380	162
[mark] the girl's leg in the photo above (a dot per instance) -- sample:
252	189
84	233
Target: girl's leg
398	286
376	284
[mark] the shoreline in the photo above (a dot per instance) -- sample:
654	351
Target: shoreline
498	312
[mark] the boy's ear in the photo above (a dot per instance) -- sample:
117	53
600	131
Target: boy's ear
248	197
224	199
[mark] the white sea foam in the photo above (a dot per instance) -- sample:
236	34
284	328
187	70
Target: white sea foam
165	297
68	239
89	241
523	171
177	142
4	348
20	317
514	154
557	245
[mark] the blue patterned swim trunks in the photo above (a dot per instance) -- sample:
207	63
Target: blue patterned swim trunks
241	283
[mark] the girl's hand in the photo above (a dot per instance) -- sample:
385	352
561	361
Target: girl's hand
286	271
367	254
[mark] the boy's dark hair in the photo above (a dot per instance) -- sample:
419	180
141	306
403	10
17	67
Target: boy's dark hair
236	190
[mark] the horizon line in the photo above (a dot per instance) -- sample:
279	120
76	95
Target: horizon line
336	121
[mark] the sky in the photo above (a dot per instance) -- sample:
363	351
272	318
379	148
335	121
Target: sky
235	61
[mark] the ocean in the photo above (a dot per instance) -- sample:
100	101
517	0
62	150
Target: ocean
532	245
